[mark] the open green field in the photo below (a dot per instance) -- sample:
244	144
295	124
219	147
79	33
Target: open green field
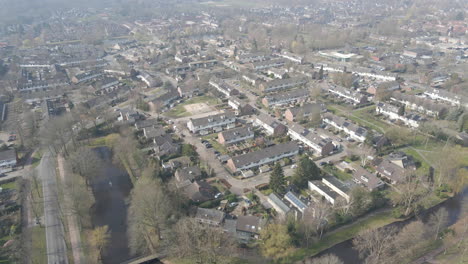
180	111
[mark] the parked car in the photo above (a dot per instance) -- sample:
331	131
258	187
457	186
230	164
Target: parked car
218	195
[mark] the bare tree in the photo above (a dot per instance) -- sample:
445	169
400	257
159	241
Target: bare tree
204	244
410	193
376	245
85	162
149	213
438	221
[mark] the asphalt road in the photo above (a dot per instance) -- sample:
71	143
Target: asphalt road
55	236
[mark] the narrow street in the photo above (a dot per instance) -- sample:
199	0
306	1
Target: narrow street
55	235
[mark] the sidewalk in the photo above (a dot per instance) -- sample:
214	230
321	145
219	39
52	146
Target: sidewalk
73	228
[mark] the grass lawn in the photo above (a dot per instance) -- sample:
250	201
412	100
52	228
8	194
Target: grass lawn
337	173
412	152
9	185
212	138
340	235
39	245
103	141
179	110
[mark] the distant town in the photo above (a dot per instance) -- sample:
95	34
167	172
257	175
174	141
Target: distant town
234	132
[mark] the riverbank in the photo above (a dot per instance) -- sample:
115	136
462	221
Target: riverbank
339	241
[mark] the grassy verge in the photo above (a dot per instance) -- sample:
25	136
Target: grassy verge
39	245
36	158
340	235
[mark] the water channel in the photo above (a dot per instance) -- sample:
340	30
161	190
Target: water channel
111	191
349	255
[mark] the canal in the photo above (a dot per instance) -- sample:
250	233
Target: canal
349	255
111	189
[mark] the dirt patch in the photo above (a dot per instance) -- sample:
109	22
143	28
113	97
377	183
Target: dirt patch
198	108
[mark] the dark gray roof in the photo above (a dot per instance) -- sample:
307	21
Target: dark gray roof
259	155
249	223
212	119
326	189
278	202
337	183
8	154
210	214
146	123
231	134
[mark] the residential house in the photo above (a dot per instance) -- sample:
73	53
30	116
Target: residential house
179	162
86	76
141	124
391	171
443	95
417	52
187	175
164	145
223	87
199	191
278	73
295	201
210	217
253	78
164	100
367	179
8	160
320	143
338	186
251	57
271	125
128	115
370	73
392	112
291	57
263	156
280	207
262	65
147	79
282	84
337	55
383	88
248	227
306	111
188	91
286	97
214	123
235	135
151	132
402	160
325	191
240	107
354	131
352	96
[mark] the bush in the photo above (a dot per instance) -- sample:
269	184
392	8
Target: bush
210	204
231	198
397	212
